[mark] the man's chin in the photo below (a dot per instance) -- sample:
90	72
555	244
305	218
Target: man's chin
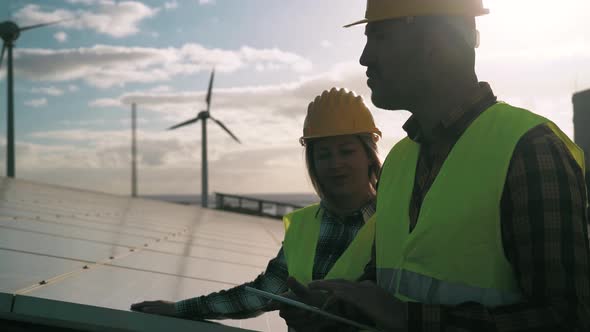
388	102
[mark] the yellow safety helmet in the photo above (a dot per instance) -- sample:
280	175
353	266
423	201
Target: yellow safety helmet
338	112
378	10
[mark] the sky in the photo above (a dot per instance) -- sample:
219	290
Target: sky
74	83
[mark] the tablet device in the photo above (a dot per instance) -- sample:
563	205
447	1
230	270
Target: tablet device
313	309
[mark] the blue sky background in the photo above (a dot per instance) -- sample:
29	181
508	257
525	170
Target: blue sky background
74	82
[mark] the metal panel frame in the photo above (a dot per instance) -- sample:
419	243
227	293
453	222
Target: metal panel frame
91	318
5	302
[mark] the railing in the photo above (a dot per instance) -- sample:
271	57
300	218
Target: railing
253	206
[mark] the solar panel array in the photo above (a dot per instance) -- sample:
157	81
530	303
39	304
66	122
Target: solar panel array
79	259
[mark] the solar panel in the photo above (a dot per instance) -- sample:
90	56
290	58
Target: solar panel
79	259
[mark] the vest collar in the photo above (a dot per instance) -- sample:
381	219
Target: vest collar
457	121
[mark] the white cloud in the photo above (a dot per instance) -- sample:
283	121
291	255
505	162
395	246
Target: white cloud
61	36
267	106
171	4
161	88
83	2
50	91
326	44
268	119
276	111
105	102
116	19
267	57
36	102
121	102
528	62
111	147
73	88
82	123
206	2
106	66
168	164
288	99
105	138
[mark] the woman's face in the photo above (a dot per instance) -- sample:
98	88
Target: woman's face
341	165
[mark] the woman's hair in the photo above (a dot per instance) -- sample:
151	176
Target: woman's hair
369	144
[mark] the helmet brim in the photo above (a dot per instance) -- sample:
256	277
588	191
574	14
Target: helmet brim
479	12
356	23
376	136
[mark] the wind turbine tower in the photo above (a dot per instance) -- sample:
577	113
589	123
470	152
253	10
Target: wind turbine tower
204	116
9	33
133	150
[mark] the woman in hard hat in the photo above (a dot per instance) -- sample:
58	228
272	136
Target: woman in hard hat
329	240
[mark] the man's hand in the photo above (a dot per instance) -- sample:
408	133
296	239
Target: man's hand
303	320
374	302
163	308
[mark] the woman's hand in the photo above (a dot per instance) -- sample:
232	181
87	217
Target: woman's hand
372	301
163	308
304	320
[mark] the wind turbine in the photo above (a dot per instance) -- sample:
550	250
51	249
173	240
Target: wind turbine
133	150
9	33
204	116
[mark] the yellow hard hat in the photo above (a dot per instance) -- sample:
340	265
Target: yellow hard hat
338	112
378	10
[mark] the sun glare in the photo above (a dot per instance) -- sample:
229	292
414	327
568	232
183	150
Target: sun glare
556	27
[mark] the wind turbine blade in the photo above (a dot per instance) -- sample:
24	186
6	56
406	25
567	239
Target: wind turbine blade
225	128
35	26
210	89
185	123
2	54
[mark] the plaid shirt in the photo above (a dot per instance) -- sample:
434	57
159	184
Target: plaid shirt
544	231
335	236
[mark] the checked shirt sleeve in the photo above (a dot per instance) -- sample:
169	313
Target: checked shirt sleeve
236	302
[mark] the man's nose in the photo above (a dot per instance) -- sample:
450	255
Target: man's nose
364	60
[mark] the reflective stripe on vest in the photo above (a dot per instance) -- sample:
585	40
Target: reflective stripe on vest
302	228
429	290
455	252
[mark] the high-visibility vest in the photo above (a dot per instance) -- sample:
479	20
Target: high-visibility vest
302	229
455	253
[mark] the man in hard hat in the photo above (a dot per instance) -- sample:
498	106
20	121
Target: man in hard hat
481	209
